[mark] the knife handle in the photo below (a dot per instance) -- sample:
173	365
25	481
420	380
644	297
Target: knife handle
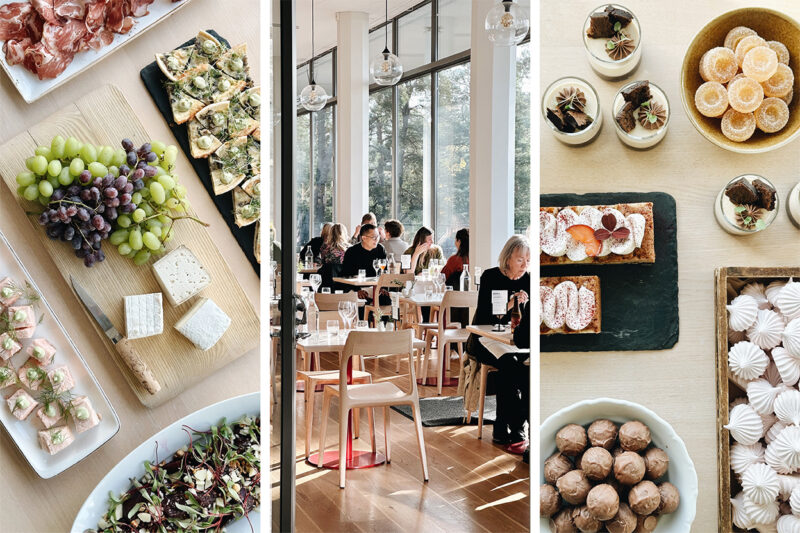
137	366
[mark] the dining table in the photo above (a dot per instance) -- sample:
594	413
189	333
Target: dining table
45	505
369	281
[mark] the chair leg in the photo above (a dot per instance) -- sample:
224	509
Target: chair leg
420	439
482	398
316	361
309	394
386	423
342	443
371	418
326	403
440	349
426	358
356	423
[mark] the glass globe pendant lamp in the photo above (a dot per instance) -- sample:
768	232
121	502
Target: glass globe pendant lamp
313	97
386	69
507	24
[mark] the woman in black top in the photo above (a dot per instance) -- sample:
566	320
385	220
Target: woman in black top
510	427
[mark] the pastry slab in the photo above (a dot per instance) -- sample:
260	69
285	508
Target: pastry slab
590	282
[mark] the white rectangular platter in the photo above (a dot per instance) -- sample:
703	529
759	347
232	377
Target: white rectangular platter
25	433
31	88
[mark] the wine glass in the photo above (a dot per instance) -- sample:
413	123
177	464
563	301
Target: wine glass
442	279
316	281
343	312
499	326
478	271
352	313
375	263
382	265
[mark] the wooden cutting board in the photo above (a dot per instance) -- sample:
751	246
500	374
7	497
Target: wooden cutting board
105	117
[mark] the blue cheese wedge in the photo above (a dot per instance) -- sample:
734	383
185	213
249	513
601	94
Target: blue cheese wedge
204	324
181	275
144	315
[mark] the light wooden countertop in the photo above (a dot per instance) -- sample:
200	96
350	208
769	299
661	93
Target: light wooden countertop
33	504
678	384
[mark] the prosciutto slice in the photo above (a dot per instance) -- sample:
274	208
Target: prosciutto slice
139	7
45	63
95	14
63	39
15	50
70	9
116	18
13	20
46	9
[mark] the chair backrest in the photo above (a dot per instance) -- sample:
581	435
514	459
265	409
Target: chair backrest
370	343
324	316
456	300
330	302
389	281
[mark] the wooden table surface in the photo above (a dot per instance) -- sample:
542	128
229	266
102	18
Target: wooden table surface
366	282
57	500
486	330
678	384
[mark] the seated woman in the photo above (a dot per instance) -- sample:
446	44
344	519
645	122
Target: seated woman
511	275
455	264
332	254
394	244
422	250
316	242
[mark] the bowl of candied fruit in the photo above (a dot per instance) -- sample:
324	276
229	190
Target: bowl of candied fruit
738	80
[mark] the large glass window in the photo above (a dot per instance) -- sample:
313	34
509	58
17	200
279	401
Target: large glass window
452	155
413	151
414	33
522	141
377	41
323	166
303	180
380	154
453	27
323	73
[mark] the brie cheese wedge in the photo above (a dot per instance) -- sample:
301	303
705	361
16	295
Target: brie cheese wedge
144	315
204	324
181	275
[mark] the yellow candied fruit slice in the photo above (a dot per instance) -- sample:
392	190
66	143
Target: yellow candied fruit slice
780	49
780	83
737	77
745	95
738	127
747	44
711	99
736	35
701	69
788	97
719	64
760	63
772	115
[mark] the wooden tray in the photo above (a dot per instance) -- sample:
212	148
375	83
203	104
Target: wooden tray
727	391
105	117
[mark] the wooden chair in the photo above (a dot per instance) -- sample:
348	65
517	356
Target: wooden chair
446	336
384	394
386	281
330	302
485	369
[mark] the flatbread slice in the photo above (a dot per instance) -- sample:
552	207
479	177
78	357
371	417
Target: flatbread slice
229	165
247	202
257	243
214	117
239	120
225	87
207	49
197	83
251	102
202	141
184	106
257	134
254	156
234	63
173	63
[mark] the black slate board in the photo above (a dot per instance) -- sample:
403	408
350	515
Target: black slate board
154	81
639	303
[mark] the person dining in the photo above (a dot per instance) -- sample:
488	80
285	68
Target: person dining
422	250
368	218
332	250
455	263
360	257
394	244
316	242
511	275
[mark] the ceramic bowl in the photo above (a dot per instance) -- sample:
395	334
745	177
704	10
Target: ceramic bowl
772	26
681	471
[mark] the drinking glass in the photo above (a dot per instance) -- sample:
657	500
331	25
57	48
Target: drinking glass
362	324
382	265
375	263
333	328
448	288
362	273
442	282
428	292
352	313
326	290
343	311
499	326
316	281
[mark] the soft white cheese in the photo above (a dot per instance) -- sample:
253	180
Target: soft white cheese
204	324
144	316
181	275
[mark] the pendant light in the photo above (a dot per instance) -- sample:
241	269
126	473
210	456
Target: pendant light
313	97
386	68
507	24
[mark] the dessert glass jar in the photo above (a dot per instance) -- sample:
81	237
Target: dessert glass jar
597	52
731	220
641	137
793	205
591	108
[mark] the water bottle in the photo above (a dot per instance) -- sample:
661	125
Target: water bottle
390	264
312	312
309	258
464	283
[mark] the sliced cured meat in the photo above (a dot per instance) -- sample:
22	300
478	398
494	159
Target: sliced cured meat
99	39
15	50
45	63
139	7
95	14
70	9
35	26
114	15
47	10
63	39
13	20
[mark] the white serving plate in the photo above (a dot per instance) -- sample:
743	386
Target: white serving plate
32	88
681	471
25	433
165	442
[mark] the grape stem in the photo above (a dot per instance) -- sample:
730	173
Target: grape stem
80	204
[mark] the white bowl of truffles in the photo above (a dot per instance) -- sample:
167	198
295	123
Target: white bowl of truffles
613	465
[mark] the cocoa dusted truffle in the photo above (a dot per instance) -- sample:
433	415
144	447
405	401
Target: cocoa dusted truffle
603	502
644	498
645	524
623	522
670	498
629	468
596	463
556	466
573	487
562	522
656	462
634	436
602	433
571	440
584	520
549	501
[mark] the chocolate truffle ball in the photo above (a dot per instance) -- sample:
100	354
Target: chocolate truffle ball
573	487
596	463
645	524
556	466
603	502
616	451
656	463
623	522
644	498
670	498
549	501
571	440
634	436
562	522
629	468
602	433
584	520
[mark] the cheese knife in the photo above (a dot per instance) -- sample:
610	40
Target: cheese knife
121	344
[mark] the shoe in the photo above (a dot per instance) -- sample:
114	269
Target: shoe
517	448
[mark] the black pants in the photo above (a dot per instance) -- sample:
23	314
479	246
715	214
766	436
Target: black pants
512	387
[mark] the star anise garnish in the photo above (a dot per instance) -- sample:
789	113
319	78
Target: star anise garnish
652	115
571	99
620	46
750	217
610	229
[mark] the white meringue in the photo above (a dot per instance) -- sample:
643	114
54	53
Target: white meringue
762	395
760	483
772	375
740	518
791	337
788	365
773	432
787	483
788	524
775	462
758	292
745	424
761	513
772	291
787	406
747	361
743	311
766	330
788	300
743	456
787	446
794	499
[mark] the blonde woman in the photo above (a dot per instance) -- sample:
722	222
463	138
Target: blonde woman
316	242
332	250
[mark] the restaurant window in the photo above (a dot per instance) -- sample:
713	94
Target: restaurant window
522	141
380	154
323	73
303	179
453	27
413	151
414	38
323	165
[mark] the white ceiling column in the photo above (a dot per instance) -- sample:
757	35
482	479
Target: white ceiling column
352	117
492	109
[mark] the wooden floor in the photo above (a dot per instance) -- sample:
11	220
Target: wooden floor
475	486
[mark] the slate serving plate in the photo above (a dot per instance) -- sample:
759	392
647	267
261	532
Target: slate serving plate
154	81
639	302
